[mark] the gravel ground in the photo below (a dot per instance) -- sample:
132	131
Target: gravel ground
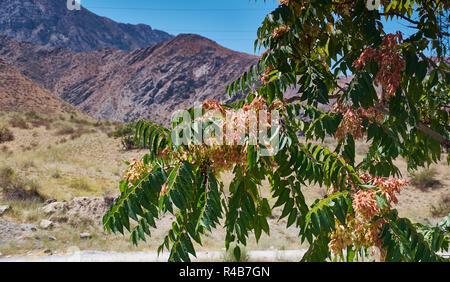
14	231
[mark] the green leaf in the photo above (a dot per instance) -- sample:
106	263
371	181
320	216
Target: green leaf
237	253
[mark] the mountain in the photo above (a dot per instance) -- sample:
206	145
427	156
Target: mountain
51	23
20	94
120	85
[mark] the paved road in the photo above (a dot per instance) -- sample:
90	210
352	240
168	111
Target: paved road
96	256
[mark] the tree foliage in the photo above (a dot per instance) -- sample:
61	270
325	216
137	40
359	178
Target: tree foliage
396	100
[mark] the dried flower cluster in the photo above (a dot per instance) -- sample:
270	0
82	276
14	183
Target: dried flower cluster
298	5
238	129
389	60
284	2
355	232
266	77
361	228
135	171
352	120
344	8
389	186
280	31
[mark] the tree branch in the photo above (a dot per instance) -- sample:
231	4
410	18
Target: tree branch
400	16
298	98
422	127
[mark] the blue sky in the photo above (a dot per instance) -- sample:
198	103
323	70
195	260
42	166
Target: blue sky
231	23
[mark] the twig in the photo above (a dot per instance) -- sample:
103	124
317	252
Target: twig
422	127
400	16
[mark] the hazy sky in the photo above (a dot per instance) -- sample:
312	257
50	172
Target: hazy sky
231	23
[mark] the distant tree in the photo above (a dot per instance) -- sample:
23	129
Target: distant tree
309	45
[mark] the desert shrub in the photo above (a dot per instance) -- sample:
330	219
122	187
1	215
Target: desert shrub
128	143
81	121
236	253
80	131
65	130
18	122
56	174
424	179
124	130
4	149
80	184
28	164
42	122
32	115
442	208
17	188
34	144
37	121
74	132
6	135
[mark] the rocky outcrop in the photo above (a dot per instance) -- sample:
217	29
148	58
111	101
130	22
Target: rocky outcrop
51	23
78	210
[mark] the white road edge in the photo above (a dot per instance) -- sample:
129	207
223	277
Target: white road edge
215	256
97	256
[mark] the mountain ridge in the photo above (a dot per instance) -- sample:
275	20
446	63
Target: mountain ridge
121	85
51	23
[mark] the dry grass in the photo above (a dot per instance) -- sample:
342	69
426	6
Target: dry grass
442	207
17	188
424	179
18	122
6	135
91	165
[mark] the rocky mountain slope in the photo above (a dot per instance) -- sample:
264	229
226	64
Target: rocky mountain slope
20	94
51	23
121	85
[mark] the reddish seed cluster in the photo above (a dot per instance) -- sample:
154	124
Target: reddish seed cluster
280	31
360	229
364	200
266	77
365	205
135	171
225	156
238	121
352	120
389	186
224	153
389	60
285	2
355	232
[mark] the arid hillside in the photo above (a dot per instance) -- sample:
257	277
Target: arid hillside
122	85
20	94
